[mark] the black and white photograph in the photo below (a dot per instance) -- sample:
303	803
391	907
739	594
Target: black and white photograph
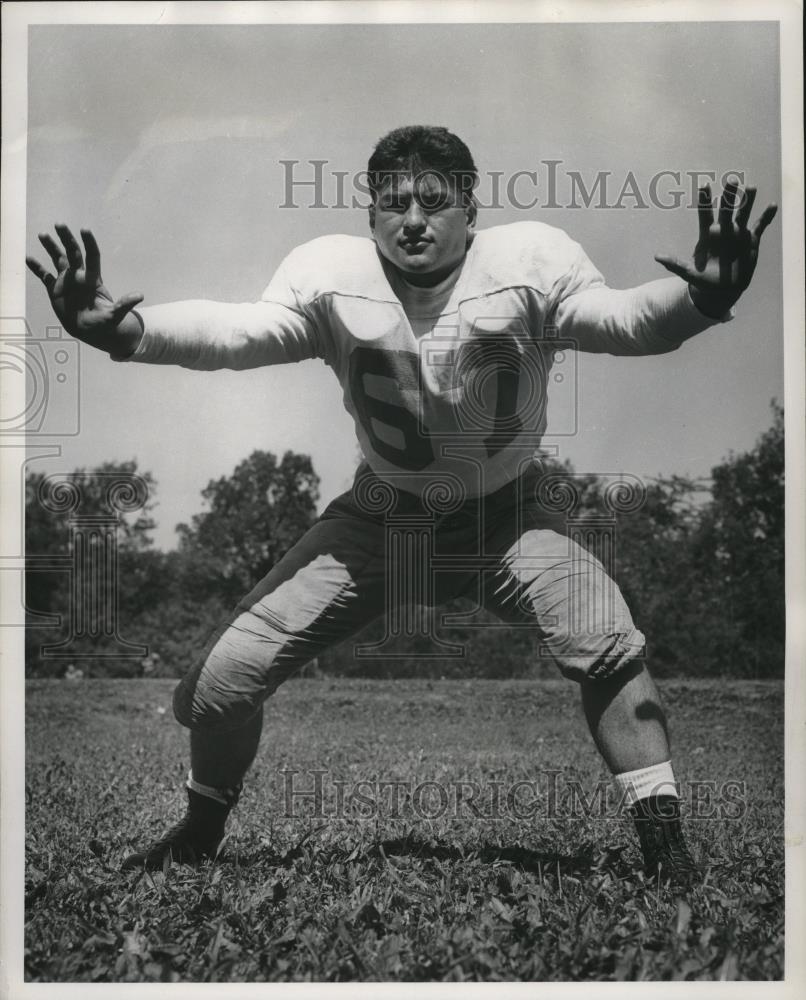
402	563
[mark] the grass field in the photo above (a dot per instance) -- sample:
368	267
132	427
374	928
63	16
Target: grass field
410	881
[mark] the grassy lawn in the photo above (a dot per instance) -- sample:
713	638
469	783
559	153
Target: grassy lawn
472	877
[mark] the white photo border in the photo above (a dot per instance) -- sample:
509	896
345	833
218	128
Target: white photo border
16	18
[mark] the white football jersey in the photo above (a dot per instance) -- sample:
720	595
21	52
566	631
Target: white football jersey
445	385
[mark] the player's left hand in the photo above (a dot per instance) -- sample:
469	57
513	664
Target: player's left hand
726	253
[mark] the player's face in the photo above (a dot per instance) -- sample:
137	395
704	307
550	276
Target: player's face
421	226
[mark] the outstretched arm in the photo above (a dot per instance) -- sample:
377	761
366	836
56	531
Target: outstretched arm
658	316
197	334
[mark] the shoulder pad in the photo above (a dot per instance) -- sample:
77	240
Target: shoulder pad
530	254
338	264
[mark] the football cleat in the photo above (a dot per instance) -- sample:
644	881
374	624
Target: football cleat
667	859
192	840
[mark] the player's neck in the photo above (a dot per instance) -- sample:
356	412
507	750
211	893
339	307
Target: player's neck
422	299
430	280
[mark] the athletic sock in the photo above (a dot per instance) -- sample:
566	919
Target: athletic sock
646	783
225	796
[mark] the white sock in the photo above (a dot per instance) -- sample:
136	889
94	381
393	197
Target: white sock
658	779
208	790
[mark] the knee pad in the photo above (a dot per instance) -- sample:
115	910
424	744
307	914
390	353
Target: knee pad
599	657
181	706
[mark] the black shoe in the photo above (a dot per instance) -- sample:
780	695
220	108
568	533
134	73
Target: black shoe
190	841
667	859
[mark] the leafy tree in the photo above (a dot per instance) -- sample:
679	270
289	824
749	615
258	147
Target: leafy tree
47	529
254	517
48	588
741	543
672	600
702	569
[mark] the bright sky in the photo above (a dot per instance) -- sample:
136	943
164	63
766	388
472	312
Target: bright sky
167	142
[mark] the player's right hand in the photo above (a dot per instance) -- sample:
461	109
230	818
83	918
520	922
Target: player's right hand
79	298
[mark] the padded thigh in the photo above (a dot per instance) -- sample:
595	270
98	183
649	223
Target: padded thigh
548	579
335	581
326	588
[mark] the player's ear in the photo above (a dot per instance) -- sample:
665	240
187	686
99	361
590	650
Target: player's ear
471	214
372	216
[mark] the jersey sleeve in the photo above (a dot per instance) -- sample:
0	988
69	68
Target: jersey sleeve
653	318
206	335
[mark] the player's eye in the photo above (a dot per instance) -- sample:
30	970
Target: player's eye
394	204
434	201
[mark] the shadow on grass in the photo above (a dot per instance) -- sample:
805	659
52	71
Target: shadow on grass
585	863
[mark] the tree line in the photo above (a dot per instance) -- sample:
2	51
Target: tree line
700	564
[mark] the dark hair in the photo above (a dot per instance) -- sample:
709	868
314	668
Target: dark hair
423	149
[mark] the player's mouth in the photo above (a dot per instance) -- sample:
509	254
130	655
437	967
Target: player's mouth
415	246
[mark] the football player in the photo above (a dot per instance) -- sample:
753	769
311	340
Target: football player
442	338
